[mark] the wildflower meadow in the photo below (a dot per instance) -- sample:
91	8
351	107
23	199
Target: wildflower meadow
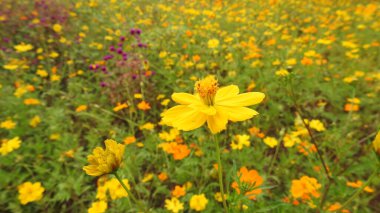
190	106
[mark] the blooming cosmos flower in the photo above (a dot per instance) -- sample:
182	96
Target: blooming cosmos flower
105	161
198	202
30	192
249	183
212	105
173	205
305	187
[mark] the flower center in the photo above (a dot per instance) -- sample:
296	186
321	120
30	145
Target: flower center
206	88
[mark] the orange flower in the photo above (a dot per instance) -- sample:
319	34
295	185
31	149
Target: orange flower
305	187
81	108
358	184
249	182
179	151
351	107
129	140
306	148
31	101
163	176
178	191
143	106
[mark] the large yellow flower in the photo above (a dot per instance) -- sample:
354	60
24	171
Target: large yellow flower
105	161
212	105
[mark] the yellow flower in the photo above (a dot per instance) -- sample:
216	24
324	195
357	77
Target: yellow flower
376	143
115	189
147	126
23	47
8	146
218	197
316	124
240	141
35	121
282	72
30	192
270	141
198	202
212	105
98	207
57	28
42	73
105	161
55	136
8	124
120	107
173	205
213	43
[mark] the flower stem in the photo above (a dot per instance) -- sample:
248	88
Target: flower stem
220	172
128	191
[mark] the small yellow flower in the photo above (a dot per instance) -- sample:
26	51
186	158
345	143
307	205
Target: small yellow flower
23	47
212	105
30	192
42	73
198	202
120	106
173	205
115	189
8	124
35	121
55	136
317	125
213	43
7	146
98	207
105	161
282	72
240	141
270	141
147	126
57	28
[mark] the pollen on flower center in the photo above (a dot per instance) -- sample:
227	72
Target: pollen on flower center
207	88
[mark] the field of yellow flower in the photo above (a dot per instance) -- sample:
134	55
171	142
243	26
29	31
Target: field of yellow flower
189	106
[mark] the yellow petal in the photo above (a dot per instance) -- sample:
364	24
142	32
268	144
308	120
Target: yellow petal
183	118
92	170
244	99
194	121
226	92
185	98
217	122
238	113
376	143
208	110
171	114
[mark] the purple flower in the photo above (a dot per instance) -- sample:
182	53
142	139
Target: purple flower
107	57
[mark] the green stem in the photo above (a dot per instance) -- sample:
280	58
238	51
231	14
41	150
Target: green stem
128	191
274	157
356	194
220	172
